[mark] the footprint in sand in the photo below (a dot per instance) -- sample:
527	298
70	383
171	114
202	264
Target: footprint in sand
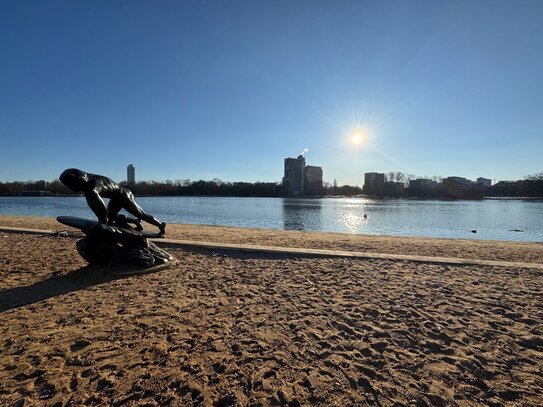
79	344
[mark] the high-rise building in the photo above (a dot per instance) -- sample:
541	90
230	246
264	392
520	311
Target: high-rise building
131	174
313	180
374	183
462	188
484	181
293	181
423	187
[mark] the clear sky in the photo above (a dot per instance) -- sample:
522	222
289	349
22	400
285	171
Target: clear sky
228	89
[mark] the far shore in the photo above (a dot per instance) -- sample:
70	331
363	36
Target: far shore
504	198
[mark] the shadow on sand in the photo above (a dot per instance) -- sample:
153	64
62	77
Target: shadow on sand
59	285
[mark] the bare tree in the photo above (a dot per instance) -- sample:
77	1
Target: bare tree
535	177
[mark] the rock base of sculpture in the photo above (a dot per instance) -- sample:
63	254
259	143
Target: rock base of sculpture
125	249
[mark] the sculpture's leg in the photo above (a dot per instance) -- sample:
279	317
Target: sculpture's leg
122	221
134	209
113	208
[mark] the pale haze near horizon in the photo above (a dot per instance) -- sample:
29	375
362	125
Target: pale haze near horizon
203	90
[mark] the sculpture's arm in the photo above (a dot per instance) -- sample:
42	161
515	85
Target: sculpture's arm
97	205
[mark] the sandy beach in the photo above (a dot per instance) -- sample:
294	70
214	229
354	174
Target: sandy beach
226	328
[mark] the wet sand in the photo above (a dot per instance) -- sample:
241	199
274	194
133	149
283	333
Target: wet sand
225	328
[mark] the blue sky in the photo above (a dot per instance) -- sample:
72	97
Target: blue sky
228	89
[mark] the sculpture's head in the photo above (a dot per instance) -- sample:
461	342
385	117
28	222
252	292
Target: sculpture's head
74	179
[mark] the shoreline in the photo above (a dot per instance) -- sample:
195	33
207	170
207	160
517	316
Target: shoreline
432	247
176	244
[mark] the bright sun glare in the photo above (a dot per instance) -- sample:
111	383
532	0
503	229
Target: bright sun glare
357	138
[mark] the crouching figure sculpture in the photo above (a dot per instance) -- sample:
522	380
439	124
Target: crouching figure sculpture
112	240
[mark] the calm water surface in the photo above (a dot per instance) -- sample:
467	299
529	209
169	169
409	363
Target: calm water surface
492	219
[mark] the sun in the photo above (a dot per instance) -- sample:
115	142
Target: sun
357	138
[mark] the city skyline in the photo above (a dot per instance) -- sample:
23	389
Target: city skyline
200	90
130	177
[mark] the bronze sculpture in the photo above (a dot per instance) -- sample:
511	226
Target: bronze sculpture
95	187
112	241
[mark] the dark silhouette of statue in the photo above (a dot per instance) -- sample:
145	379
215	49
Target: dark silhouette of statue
95	187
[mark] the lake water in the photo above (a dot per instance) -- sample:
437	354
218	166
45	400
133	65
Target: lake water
492	219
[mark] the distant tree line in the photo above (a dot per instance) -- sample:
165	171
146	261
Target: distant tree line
340	190
184	187
215	187
19	187
530	186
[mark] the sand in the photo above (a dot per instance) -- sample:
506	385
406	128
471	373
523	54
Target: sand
224	328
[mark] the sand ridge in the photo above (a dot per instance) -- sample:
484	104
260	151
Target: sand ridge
225	328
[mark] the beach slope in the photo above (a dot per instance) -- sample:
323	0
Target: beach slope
224	328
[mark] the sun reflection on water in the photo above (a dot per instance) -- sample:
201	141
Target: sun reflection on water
352	220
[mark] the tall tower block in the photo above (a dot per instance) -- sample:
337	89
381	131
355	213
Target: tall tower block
131	174
294	176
